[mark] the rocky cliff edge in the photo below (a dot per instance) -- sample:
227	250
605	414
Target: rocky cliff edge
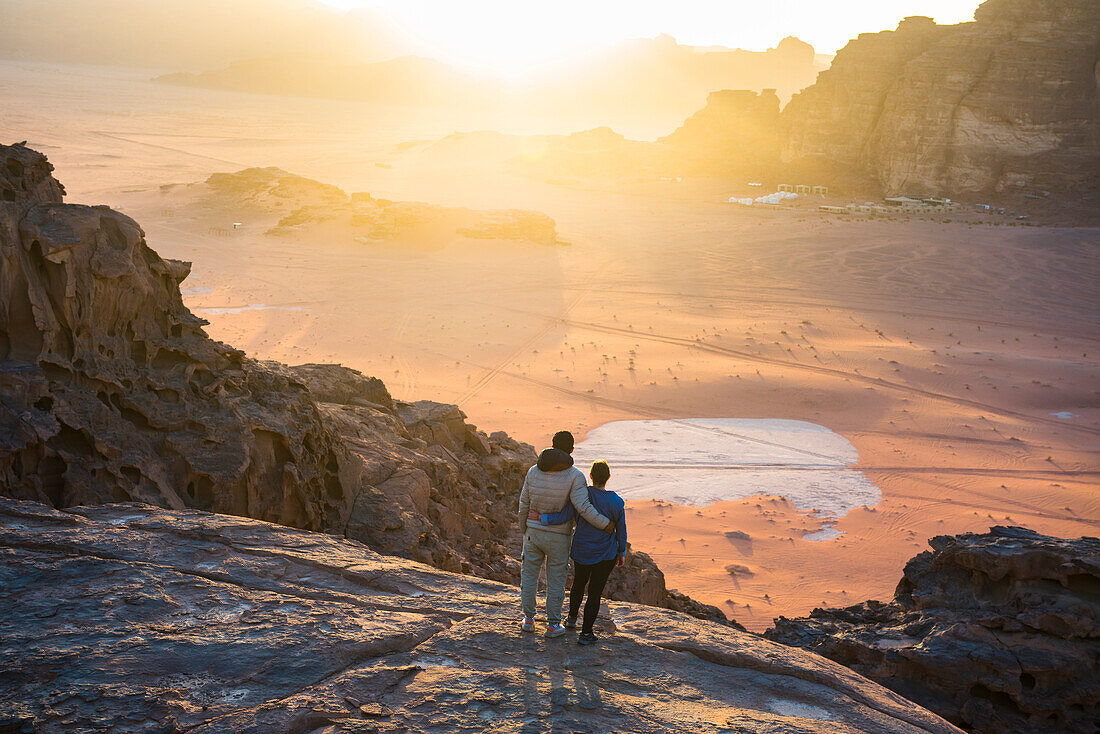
998	632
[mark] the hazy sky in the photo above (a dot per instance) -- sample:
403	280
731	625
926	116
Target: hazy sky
525	33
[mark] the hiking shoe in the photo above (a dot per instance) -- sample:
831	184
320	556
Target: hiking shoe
586	638
528	624
570	623
555	630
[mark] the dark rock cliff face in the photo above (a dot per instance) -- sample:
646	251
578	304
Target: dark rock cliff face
139	620
1006	104
998	632
111	392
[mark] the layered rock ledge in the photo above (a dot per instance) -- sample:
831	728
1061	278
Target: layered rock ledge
998	632
131	618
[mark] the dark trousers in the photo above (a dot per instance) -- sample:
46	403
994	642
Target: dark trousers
594	576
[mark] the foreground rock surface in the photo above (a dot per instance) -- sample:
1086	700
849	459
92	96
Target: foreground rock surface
998	632
110	391
131	618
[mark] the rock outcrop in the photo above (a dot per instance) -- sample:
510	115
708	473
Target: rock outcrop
110	391
640	580
997	632
27	177
289	205
737	132
1007	104
130	618
832	120
430	486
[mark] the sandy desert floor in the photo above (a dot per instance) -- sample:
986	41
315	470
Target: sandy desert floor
959	360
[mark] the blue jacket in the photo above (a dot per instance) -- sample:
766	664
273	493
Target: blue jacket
590	544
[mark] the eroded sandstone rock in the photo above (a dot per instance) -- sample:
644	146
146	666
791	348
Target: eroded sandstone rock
26	177
998	632
111	391
1005	104
430	486
130	618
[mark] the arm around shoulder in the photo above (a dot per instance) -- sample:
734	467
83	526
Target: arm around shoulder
566	514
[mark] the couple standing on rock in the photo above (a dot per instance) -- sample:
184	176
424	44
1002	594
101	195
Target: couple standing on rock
554	494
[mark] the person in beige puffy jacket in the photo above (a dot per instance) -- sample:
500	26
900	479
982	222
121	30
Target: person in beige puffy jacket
549	484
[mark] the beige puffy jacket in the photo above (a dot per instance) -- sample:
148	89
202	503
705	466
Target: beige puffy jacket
549	491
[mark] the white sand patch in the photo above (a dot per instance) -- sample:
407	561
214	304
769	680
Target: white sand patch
1065	415
701	461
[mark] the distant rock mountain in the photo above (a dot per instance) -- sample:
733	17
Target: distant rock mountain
135	619
191	34
735	132
656	73
308	49
735	135
638	77
110	391
998	632
407	80
1005	108
1006	104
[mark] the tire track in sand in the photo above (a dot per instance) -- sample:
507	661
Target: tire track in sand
816	369
492	372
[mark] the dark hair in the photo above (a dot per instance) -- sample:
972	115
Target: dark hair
601	472
563	441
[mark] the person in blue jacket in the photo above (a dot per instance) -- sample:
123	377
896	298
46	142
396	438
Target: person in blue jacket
594	552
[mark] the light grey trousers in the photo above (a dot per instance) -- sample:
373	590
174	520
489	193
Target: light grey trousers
552	548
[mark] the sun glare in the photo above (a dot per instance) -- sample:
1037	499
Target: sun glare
508	38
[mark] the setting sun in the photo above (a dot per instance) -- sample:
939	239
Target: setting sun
512	38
